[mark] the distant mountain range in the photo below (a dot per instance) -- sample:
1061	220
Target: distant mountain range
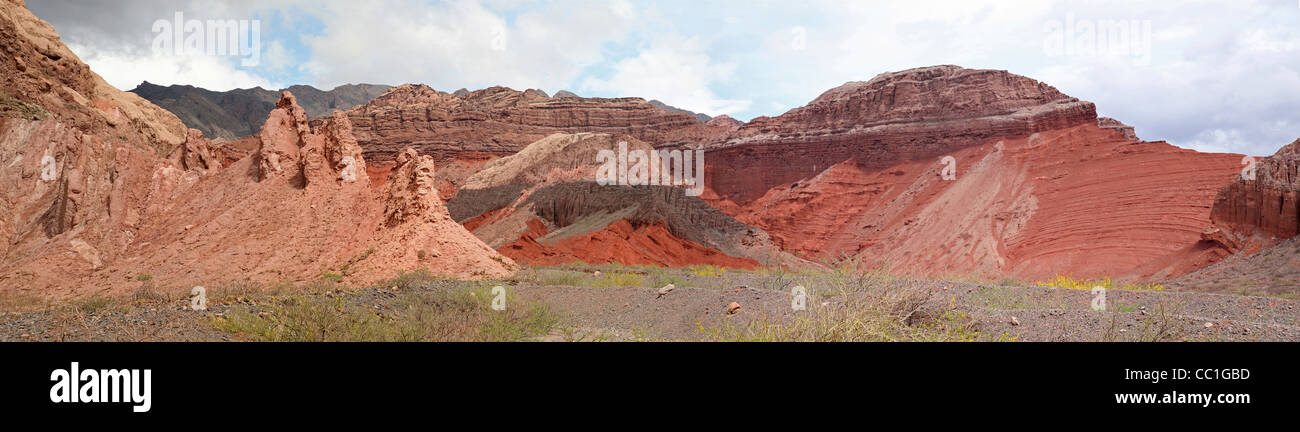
241	112
703	118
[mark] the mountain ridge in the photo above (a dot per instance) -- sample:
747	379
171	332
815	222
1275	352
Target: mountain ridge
239	113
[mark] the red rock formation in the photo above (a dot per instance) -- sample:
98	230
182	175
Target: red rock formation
619	242
542	206
915	114
102	187
78	160
196	153
1116	125
498	121
1041	188
417	231
1252	213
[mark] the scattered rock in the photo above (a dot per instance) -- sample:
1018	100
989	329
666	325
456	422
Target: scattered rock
665	290
733	308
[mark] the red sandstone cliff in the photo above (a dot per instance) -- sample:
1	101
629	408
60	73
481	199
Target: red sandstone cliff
915	114
464	130
498	121
1259	209
1041	186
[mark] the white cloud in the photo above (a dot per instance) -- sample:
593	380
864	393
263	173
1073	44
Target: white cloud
277	58
461	43
1217	141
676	71
125	70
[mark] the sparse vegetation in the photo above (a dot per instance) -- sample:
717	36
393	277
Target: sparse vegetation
14	108
560	277
1017	298
617	279
417	278
23	303
662	276
708	271
845	303
94	303
1161	324
1088	284
890	314
438	314
565	277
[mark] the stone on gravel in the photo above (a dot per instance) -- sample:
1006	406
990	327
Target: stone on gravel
733	308
665	290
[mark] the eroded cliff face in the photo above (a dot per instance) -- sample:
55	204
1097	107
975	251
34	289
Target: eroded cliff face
498	121
543	206
1039	185
101	188
1259	209
914	114
76	157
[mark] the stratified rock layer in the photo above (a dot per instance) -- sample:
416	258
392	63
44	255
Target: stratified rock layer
498	121
1038	186
1259	208
915	114
543	206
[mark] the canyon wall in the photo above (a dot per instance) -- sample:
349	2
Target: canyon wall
1259	209
498	121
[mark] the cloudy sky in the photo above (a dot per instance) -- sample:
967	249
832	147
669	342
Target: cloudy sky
1208	75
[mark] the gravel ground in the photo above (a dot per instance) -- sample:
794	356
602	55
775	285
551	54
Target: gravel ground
640	314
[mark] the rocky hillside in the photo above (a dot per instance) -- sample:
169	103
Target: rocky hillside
239	113
104	191
703	118
543	206
1039	185
1259	207
498	121
1254	219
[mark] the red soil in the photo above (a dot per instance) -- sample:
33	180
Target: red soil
619	242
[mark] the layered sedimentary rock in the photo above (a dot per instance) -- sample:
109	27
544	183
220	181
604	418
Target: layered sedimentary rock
914	114
1259	207
464	130
703	118
1118	126
103	188
945	171
498	121
544	206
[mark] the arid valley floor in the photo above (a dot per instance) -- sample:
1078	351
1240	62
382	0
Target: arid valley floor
616	303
